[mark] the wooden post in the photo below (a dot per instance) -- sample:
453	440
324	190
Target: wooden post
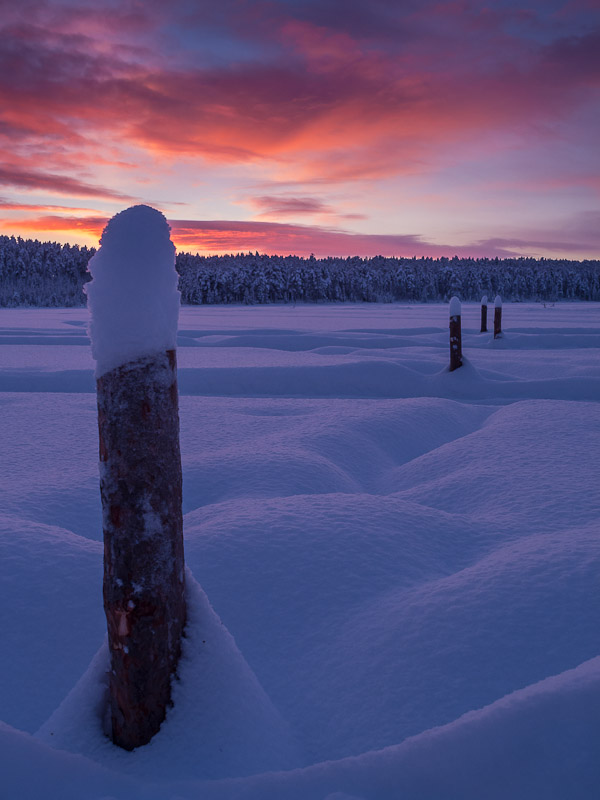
140	486
484	303
455	335
497	317
134	306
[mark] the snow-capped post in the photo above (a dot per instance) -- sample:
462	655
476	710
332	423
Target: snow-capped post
455	335
134	305
497	316
484	304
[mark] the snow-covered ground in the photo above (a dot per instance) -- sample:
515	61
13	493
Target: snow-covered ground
399	565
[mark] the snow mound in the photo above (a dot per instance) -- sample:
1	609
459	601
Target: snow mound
388	617
417	653
31	770
342	445
133	297
533	461
51	580
222	723
537	742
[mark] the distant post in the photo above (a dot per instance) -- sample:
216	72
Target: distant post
484	304
497	317
455	335
134	306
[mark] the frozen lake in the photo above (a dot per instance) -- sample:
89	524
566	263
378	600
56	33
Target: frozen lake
388	545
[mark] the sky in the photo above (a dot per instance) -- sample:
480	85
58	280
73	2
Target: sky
333	127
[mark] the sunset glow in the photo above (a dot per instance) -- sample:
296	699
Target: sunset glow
395	128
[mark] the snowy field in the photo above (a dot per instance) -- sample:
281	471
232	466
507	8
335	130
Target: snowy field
399	565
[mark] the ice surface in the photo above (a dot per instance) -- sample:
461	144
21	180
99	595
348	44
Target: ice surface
133	297
400	563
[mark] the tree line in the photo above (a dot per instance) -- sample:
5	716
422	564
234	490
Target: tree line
34	273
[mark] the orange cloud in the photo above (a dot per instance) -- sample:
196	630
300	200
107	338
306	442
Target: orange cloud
576	235
89	226
230	236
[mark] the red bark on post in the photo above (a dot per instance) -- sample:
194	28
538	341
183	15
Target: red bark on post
455	335
497	318
140	483
483	328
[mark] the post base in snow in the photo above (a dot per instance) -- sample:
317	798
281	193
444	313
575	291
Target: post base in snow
140	484
497	322
455	343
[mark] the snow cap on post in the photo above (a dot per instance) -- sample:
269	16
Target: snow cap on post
455	307
133	297
484	300
498	301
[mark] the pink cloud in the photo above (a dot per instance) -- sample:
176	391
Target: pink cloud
286	206
270	204
9	205
227	236
307	95
347	111
60	184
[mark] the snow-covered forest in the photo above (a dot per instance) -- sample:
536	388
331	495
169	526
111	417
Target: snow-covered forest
34	273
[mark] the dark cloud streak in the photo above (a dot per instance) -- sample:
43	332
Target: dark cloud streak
60	184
